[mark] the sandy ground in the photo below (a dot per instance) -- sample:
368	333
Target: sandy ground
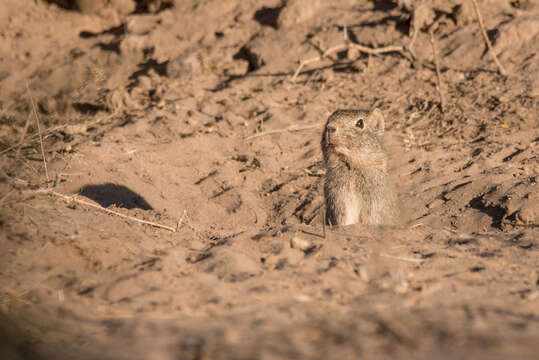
183	113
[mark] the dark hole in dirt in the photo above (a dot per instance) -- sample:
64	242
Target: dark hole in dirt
403	25
113	46
147	52
268	16
112	194
144	69
512	155
477	268
496	212
115	30
384	5
153	6
65	4
493	36
88	108
255	61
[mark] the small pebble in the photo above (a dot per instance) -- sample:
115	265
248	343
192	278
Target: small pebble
301	244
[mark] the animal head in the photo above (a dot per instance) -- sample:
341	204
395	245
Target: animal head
354	137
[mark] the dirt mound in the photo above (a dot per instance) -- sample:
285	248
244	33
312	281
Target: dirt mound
181	119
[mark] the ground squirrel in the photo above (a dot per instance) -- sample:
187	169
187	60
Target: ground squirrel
357	188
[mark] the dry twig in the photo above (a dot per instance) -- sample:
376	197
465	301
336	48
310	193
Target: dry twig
108	211
24	131
39	131
347	45
290	128
180	222
485	36
402	258
437	65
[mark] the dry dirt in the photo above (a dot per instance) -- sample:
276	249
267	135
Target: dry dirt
183	113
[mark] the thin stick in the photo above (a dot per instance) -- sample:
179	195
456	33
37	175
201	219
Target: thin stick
39	131
25	130
437	65
290	128
108	211
485	36
179	225
318	58
345	46
377	51
402	258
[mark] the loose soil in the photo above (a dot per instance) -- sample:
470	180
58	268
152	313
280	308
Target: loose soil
183	113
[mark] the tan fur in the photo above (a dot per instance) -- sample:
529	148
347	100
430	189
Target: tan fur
357	188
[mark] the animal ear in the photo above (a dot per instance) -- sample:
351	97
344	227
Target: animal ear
376	121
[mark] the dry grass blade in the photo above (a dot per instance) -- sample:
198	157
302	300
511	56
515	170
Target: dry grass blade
290	129
485	36
437	65
39	132
377	51
24	131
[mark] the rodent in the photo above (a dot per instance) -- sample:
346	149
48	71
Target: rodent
356	187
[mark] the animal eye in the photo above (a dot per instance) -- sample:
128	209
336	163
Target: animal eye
360	124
